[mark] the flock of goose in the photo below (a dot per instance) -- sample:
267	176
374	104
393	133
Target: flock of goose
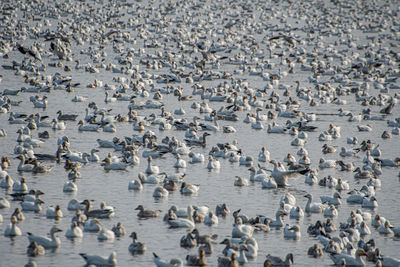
187	110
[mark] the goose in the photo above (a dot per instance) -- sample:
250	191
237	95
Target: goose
305	160
281	175
32	195
198	217
52	242
313	207
4	203
22	167
347	153
364	128
118	230
207	247
188	241
278	222
203	210
18	214
6	182
222	210
92	225
296	213
288	198
189	189
335	200
160	192
32	206
180	163
324	163
40	168
40	103
151	179
183	222
246	161
96	213
274	128
74	231
12	229
349	260
58	125
70	186
264	155
242	259
240	229
269	183
99	260
209	127
211	219
257	125
105	234
370	203
66	117
345	166
93	156
277	261
172	263
54	213
87	127
385	229
196	260
310	179
21	136
150	168
342	185
289	158
228	261
145	213
292	232
331	211
315	251
109	165
240	181
196	157
181	213
363	229
35	250
136	247
135	185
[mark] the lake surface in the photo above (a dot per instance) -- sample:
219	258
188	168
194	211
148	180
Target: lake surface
336	40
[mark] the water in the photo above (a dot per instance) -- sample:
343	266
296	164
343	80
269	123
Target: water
216	187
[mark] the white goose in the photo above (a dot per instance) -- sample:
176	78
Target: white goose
183	222
54	213
100	261
12	229
105	234
109	165
348	259
150	168
74	231
241	230
22	167
172	263
32	206
52	242
4	203
313	207
213	164
135	185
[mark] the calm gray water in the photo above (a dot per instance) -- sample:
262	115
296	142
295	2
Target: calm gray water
216	187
